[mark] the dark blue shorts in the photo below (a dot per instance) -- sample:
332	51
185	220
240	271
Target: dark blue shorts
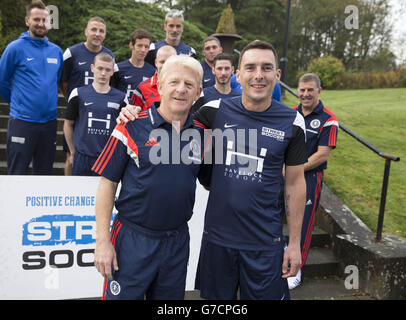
151	264
258	274
28	141
82	165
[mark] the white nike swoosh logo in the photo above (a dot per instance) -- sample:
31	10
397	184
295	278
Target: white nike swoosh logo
88	103
80	63
127	77
29	59
205	80
230	125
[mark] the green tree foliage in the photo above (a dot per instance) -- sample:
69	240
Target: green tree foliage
122	18
254	19
329	69
318	27
12	21
226	23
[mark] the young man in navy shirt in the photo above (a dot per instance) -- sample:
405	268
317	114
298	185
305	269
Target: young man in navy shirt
242	244
90	116
210	49
146	92
77	61
147	251
222	70
173	27
133	71
321	133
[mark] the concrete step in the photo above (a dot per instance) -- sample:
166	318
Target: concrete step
317	288
326	288
4	108
321	262
320	238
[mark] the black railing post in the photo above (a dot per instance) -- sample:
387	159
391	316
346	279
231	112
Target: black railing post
383	200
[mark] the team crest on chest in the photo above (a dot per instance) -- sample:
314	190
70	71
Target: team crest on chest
315	123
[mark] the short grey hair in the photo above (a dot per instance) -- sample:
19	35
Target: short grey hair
308	77
174	13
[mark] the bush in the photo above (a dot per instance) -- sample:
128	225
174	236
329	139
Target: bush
328	68
370	80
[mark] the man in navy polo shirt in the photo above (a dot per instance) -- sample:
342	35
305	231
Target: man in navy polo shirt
222	71
157	159
321	133
133	71
90	116
173	27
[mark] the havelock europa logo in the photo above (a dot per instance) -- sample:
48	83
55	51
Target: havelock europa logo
251	172
105	123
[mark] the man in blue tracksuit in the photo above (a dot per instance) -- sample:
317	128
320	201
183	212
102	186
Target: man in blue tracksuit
33	66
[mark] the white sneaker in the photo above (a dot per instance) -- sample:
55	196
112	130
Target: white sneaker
295	281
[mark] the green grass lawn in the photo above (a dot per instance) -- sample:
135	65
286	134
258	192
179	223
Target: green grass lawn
355	173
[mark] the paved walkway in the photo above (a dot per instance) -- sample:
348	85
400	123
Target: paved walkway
326	288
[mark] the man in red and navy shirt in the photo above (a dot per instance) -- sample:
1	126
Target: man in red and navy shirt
321	137
157	159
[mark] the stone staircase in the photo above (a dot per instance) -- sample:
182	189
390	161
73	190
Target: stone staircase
321	261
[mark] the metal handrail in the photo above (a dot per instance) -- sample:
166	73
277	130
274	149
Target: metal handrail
388	158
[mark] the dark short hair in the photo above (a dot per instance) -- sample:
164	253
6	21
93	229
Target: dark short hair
308	77
140	34
259	44
38	4
211	38
223	56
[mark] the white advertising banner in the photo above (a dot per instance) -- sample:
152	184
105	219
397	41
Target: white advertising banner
47	236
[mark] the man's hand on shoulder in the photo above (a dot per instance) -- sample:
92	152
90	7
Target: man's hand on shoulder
128	113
